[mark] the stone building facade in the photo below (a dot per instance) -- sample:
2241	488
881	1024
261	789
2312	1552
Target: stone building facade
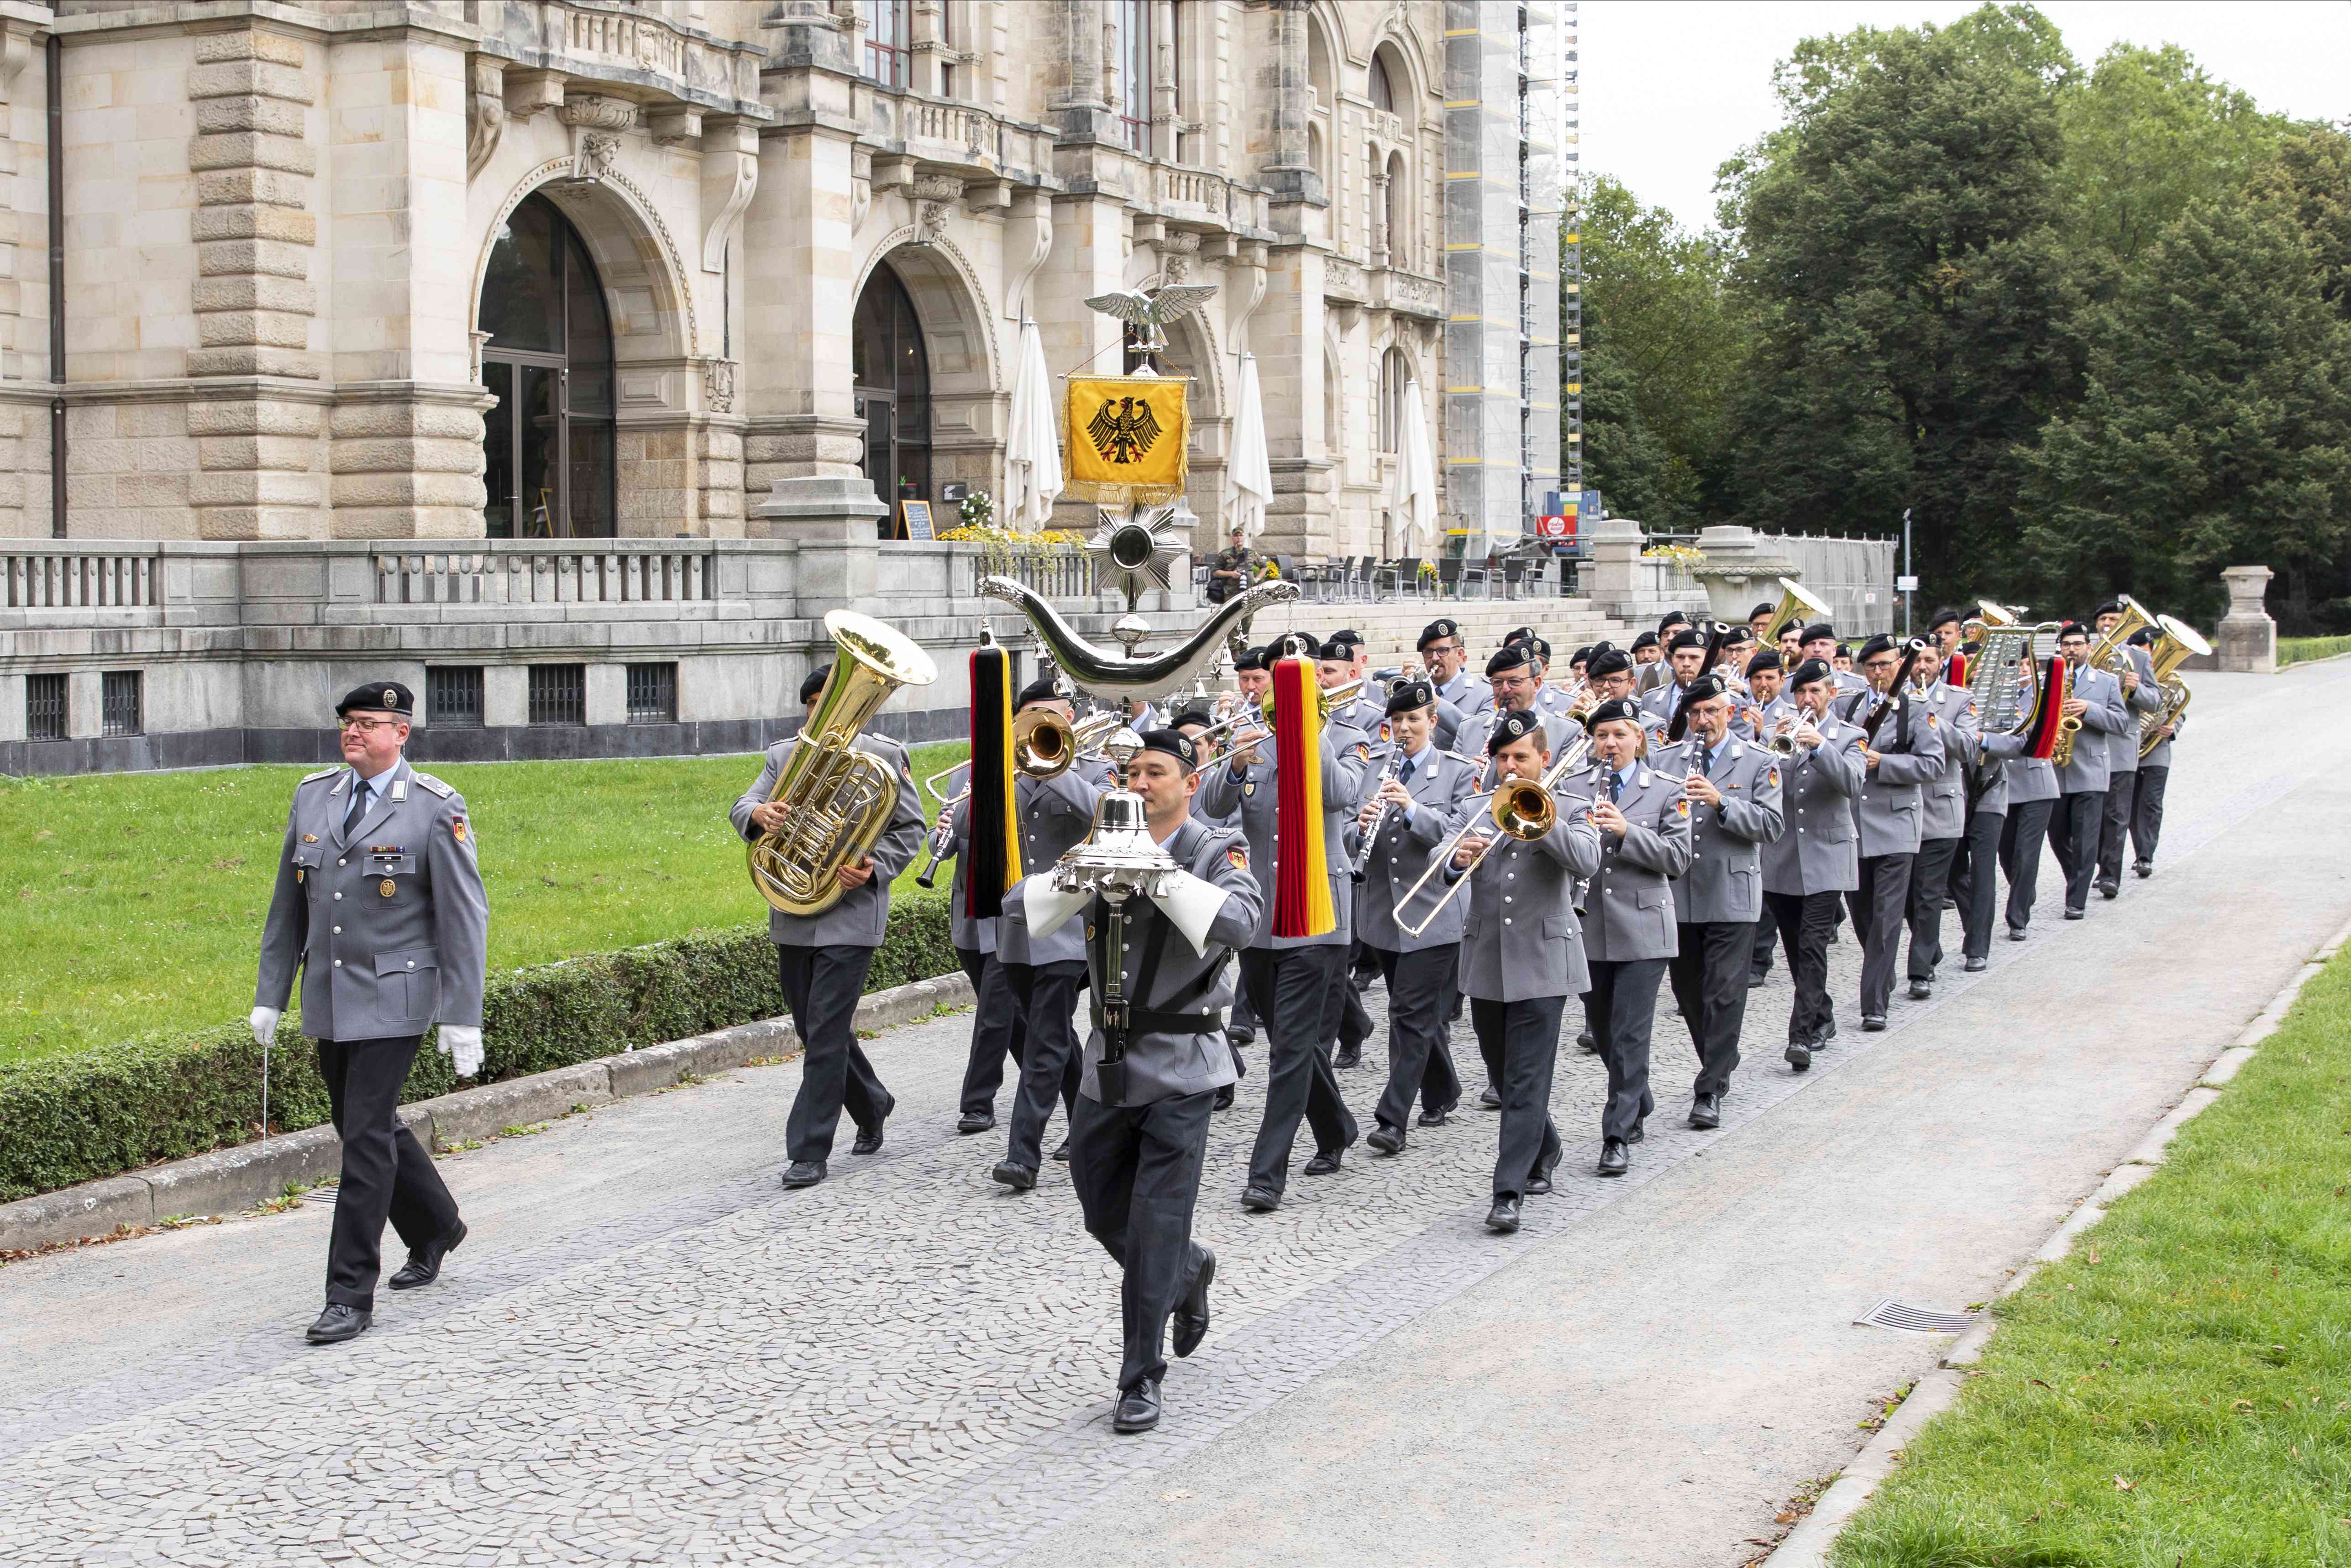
348	283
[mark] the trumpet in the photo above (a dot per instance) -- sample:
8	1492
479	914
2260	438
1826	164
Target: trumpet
1044	743
1248	713
1523	809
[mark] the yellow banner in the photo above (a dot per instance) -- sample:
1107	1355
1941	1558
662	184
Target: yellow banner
1128	439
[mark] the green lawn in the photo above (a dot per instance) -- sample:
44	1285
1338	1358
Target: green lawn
132	903
2301	650
2177	1393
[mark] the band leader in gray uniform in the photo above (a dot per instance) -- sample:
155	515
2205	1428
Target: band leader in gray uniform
1734	792
1521	958
1816	860
379	902
1629	929
1135	1155
822	959
1410	815
1906	755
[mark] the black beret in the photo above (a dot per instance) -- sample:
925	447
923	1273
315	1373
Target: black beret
1818	630
1686	639
1736	636
1605	662
1671	618
1349	636
1040	690
1251	659
1515	725
1508	658
1581	654
2111	606
1844	650
1519	635
1946	616
2143	638
1602	646
1293	645
1537	646
1614	709
1881	643
1200	716
1702	688
1766	607
1810	673
2071	629
379	696
814	684
1645	640
1410	695
1769	659
1175	743
1436	631
1336	648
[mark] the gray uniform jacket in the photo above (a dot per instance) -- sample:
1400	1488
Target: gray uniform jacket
2161	755
861	916
1460	691
1820	849
387	924
1254	791
2122	747
1520	938
1055	814
1943	800
1438	786
2107	716
1725	879
1559	732
1997	752
1910	756
1365	716
1628	909
1165	1063
1449	720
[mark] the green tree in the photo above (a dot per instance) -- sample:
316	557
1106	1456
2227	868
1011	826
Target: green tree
1902	259
2215	428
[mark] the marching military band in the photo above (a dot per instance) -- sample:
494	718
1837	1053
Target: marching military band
1665	816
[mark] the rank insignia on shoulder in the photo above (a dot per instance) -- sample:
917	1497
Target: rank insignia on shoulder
1237	857
426	780
322	773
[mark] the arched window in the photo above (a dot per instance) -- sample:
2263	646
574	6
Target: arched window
1130	22
1383	90
547	446
892	376
1399	213
1395	374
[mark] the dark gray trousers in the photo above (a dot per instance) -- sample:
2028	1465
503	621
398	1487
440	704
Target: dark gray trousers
821	986
1352	1025
1805	920
1878	905
1520	1041
1625	1006
1767	931
1710	981
2147	812
1052	1065
1290	990
996	1031
387	1174
1980	897
2020	856
2114	824
1930	878
1136	1169
2074	829
1420	993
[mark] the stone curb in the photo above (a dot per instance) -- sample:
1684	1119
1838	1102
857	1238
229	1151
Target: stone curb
1807	1545
229	1181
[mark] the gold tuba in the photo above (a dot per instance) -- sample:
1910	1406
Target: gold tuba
2175	643
1793	601
841	798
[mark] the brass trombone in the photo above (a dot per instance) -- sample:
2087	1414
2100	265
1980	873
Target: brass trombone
1044	745
1523	809
1260	715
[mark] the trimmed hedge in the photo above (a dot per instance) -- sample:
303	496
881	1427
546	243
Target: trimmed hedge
100	1113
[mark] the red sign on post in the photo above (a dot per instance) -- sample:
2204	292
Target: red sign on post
1556	525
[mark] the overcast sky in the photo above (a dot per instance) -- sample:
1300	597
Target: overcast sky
1671	87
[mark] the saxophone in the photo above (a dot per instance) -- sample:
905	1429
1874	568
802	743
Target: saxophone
841	798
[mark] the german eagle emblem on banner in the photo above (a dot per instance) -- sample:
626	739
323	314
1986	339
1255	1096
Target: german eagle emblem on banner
1127	439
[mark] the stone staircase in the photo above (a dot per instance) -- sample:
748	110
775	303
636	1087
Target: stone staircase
1393	629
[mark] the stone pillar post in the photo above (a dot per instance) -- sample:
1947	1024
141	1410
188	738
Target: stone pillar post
2247	639
1286	334
1615	566
20	45
1078	107
1289	172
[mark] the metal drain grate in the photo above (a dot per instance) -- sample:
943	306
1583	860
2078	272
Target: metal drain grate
1892	1314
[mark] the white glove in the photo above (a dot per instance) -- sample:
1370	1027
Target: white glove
464	1045
1192	905
264	1024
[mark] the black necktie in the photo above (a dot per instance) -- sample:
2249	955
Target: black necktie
1705	760
358	804
1403	774
1616	788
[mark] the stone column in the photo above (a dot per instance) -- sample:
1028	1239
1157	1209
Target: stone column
20	45
1079	110
2248	639
1282	84
1616	566
1286	335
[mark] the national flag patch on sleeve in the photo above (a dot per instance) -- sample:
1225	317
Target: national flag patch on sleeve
1682	805
1237	857
1775	777
458	831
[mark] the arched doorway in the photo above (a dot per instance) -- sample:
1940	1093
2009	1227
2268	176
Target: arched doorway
547	446
893	374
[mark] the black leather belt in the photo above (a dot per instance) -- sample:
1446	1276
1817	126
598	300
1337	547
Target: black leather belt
1141	1020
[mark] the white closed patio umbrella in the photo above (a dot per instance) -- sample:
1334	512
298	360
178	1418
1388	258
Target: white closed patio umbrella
1250	470
1032	447
1412	487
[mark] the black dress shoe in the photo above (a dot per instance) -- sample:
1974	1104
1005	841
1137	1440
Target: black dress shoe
1950	902
1640	1131
1757	977
1615	1158
1138	1409
2016	933
1585	1043
976	1122
339	1323
1437	1118
1976	965
423	1265
1224	1097
1325	1162
1539	1184
2077	914
869	1140
804	1173
1191	1319
1921	990
1705	1113
1489	1099
1019	1178
1241	1037
1387	1140
1348	1059
1257	1200
1799	1055
1503	1218
2144	869
1061	1151
1873	1023
2110	888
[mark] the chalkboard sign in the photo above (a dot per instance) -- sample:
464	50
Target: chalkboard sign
917	515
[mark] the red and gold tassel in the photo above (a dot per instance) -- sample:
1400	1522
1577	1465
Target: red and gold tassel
1301	898
2056	686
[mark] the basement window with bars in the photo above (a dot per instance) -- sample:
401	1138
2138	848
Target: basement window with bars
558	694
652	694
45	707
118	703
453	696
